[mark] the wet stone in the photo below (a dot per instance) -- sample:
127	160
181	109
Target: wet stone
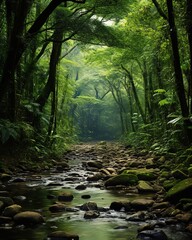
60	235
152	234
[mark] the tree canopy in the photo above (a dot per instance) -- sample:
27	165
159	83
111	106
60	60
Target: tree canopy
95	70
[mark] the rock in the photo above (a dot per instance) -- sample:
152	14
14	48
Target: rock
94	164
91	214
184	217
161	205
178	174
19	198
65	197
86	196
183	189
138	216
96	177
60	235
58	207
146	226
81	187
89	206
28	218
143	187
142	204
11	210
143	173
117	206
7	201
152	235
122	179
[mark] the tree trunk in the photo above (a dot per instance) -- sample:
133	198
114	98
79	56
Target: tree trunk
176	61
135	94
189	33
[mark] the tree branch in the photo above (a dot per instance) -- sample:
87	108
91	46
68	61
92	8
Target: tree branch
159	9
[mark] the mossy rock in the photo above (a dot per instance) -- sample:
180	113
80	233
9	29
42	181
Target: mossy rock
182	189
168	184
143	174
122	179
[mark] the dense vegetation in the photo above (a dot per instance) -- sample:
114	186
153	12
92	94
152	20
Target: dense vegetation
95	70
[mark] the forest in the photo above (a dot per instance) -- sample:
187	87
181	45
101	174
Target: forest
95	70
96	102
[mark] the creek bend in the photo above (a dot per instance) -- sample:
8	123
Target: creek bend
40	191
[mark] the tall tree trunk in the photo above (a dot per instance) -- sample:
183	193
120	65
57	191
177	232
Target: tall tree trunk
189	33
178	73
176	61
135	94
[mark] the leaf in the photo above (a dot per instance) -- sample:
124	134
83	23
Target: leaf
164	102
175	120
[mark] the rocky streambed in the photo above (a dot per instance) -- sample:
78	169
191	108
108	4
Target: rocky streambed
98	191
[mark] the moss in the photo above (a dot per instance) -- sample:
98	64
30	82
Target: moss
122	179
142	174
183	189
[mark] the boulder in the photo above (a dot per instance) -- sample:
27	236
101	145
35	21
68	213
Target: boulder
122	179
11	210
182	189
117	206
81	187
28	218
60	235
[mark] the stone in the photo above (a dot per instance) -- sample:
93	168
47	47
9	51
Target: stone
161	205
89	206
94	164
91	214
122	179
28	218
143	187
184	217
58	207
86	196
11	210
66	197
60	235
143	173
117	206
138	216
7	201
182	189
142	204
152	234
81	187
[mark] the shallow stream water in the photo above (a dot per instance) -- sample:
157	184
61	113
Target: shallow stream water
110	225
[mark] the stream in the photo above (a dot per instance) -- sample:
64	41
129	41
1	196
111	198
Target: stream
37	192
